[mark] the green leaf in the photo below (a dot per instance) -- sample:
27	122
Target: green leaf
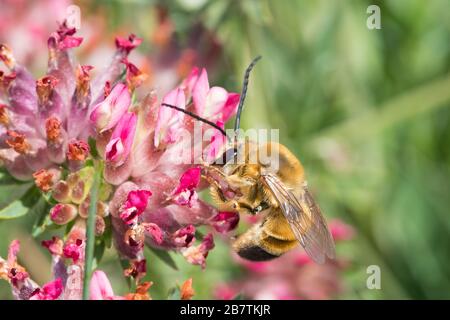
21	207
41	210
165	257
11	189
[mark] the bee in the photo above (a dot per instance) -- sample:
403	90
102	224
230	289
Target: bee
240	181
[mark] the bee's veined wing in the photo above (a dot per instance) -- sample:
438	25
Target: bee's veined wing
305	218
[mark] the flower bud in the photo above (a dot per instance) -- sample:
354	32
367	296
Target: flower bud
100	225
107	113
119	146
63	213
61	192
78	192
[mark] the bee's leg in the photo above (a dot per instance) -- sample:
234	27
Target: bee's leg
215	185
211	181
243	205
208	167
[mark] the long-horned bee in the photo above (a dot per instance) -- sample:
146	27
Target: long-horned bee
242	182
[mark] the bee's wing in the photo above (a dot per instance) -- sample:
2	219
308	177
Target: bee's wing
304	217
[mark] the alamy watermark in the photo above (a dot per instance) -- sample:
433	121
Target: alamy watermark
374	279
374	20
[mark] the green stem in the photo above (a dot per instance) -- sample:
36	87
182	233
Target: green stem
90	232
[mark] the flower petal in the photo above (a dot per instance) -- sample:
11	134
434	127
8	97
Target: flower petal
100	288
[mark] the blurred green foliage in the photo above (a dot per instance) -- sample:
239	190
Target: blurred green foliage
367	112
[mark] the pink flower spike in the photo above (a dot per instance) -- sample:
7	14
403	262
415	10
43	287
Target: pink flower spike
135	205
106	114
185	194
224	222
119	147
100	288
50	291
169	121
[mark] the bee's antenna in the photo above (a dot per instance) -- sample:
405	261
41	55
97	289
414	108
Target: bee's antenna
244	93
197	117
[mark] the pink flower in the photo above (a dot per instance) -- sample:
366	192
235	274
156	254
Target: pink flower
100	287
215	103
184	237
135	77
135	205
54	246
169	123
155	232
74	251
185	194
217	142
64	39
128	44
197	254
50	291
224	222
106	114
119	146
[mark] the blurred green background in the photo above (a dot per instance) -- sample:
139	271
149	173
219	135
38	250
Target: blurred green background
366	111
